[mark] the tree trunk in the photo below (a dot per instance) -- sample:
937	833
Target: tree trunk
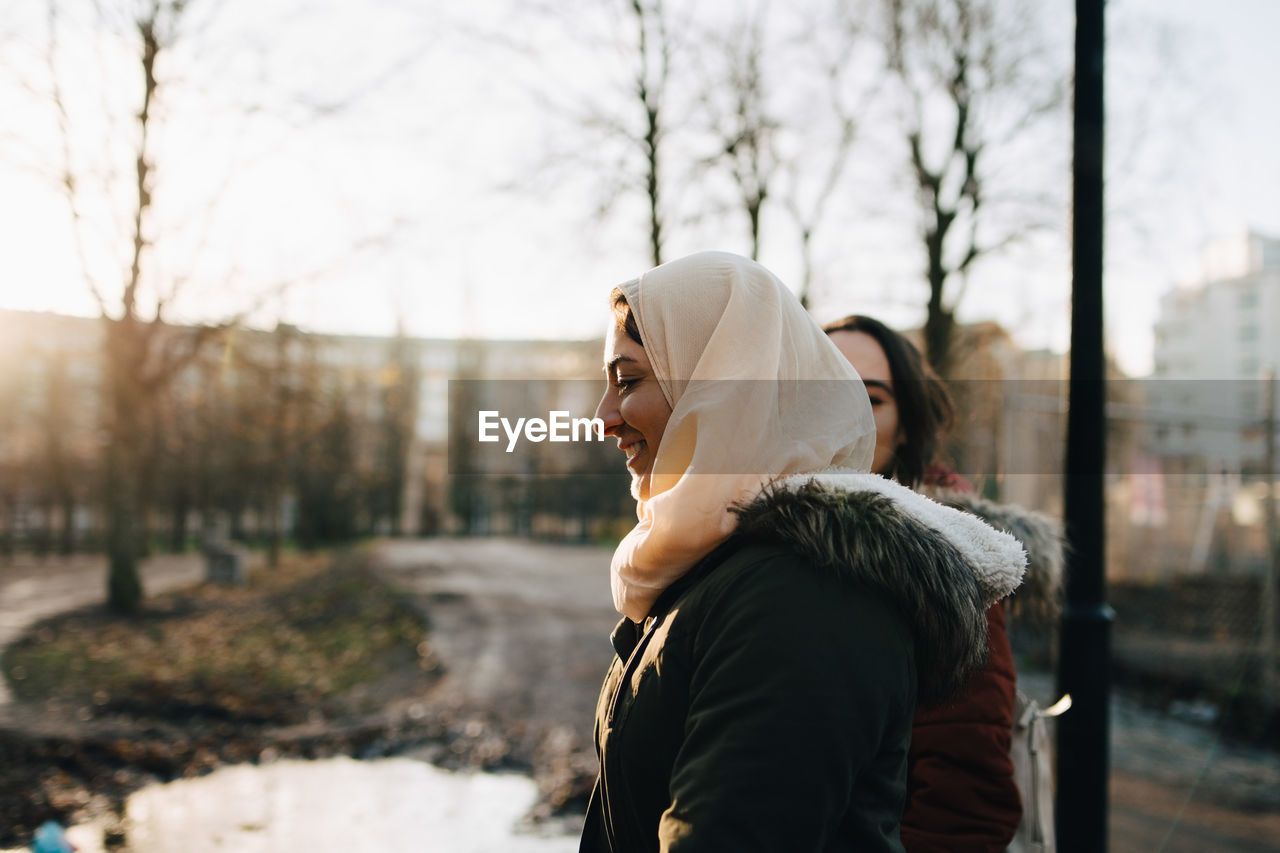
67	536
652	188
6	527
939	323
124	587
275	525
753	213
939	326
650	91
123	486
178	522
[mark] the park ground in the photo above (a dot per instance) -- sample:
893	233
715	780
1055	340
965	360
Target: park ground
503	676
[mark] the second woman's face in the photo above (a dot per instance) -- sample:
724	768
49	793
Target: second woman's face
868	358
634	409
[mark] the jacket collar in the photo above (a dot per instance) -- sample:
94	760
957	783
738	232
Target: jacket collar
627	634
939	567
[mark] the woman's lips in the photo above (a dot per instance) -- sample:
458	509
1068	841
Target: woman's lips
634	452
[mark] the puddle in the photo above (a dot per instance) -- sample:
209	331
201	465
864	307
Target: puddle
340	804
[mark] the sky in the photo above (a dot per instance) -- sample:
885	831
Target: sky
1221	168
405	168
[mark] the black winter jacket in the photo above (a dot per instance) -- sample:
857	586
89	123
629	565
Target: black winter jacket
765	704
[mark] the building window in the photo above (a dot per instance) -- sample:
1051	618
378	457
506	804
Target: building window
1248	333
1248	298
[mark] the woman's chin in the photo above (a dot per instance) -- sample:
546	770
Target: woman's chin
640	485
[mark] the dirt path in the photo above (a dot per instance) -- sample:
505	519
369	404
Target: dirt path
520	626
522	630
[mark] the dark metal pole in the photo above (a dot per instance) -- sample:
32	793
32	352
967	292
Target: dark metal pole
1084	668
1273	556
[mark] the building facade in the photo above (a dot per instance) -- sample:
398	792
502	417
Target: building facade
1215	342
271	434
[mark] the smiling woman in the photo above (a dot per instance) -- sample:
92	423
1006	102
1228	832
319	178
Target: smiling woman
634	408
783	608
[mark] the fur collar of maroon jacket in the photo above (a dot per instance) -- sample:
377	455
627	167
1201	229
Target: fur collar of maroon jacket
1038	599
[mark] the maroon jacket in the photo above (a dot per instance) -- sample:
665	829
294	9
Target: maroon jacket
961	795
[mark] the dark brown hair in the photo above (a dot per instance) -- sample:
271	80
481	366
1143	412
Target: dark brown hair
925	410
622	313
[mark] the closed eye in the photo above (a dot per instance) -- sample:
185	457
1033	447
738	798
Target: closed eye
879	392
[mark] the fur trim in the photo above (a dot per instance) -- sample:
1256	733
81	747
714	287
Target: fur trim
938	567
1038	600
998	559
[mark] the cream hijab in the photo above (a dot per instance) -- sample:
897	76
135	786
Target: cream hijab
757	392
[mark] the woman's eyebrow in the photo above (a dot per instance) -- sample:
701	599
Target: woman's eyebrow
878	383
615	361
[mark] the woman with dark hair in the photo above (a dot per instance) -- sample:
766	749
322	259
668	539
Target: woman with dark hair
912	407
784	610
961	794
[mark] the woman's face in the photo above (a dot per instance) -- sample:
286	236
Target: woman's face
867	357
633	408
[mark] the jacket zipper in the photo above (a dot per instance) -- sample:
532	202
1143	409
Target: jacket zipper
627	669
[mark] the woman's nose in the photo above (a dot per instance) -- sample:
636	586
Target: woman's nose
608	411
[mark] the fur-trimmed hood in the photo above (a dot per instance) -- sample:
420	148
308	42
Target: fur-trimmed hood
1038	599
941	566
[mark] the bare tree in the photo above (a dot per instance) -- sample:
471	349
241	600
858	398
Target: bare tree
137	255
614	126
814	174
742	119
140	354
968	86
783	98
398	399
280	385
652	75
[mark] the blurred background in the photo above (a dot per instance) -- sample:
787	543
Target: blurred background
248	249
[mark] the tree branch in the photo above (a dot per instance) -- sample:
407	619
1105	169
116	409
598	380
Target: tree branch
68	184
